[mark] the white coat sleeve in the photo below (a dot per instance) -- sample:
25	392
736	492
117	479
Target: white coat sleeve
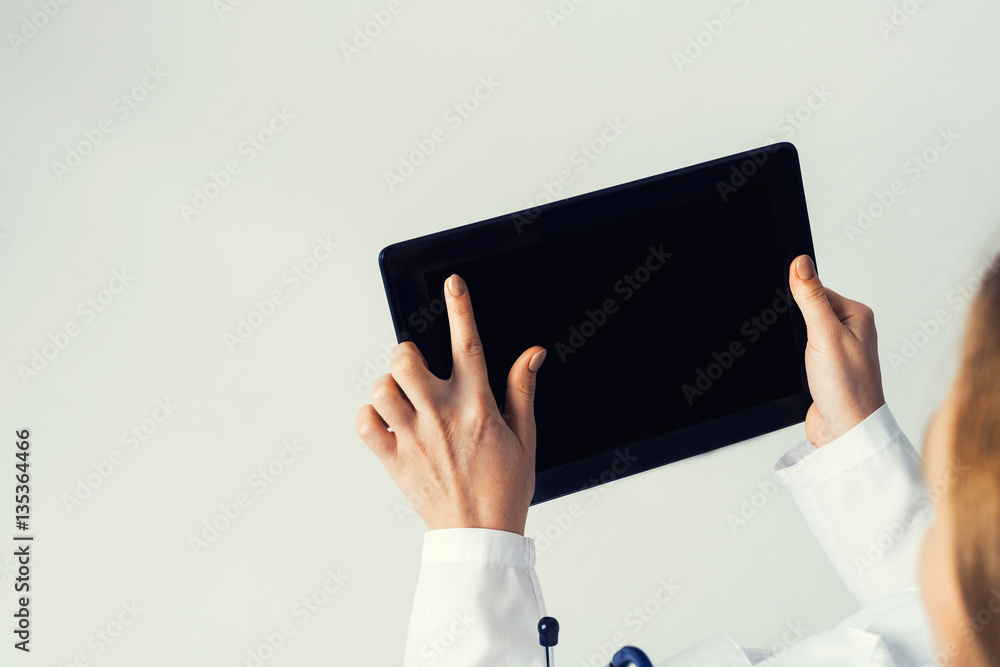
864	497
478	601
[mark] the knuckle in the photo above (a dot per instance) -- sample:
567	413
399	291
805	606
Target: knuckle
382	390
361	421
405	365
366	429
403	349
469	346
482	424
525	390
806	295
815	293
368	426
473	429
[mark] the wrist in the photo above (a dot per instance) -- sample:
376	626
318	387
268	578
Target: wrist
509	524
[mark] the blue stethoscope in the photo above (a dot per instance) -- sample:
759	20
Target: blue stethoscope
548	636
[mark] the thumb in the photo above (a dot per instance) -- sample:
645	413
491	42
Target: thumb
810	295
519	408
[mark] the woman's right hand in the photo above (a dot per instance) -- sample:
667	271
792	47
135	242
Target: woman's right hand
841	356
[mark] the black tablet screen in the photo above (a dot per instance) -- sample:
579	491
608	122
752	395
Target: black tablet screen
661	321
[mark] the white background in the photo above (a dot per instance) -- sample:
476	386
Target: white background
299	375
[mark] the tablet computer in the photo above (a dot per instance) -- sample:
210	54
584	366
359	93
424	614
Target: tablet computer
663	303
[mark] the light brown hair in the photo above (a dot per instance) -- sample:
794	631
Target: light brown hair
976	444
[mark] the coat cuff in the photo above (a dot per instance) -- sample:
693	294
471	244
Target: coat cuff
805	465
478	545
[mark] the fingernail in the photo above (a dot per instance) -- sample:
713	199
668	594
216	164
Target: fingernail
456	285
536	361
805	268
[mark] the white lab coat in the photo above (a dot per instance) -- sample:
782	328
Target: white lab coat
478	600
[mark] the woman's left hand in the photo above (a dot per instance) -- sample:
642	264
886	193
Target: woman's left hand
459	462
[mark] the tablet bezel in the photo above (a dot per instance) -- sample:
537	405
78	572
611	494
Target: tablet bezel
403	265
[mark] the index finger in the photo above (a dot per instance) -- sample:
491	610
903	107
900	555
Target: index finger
466	347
